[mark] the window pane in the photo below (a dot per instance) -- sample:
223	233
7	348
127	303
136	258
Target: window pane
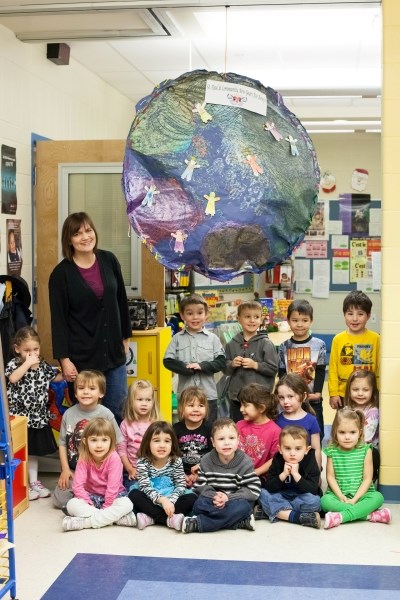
100	195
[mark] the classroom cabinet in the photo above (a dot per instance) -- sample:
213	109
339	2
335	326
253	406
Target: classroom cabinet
19	437
146	350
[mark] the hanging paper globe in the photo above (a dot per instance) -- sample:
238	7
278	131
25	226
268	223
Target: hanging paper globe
219	176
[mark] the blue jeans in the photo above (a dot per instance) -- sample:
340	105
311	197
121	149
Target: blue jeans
116	391
211	518
274	503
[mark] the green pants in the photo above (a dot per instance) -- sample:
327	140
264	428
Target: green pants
352	512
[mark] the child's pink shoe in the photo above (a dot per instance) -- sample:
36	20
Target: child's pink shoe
143	520
175	522
382	515
332	519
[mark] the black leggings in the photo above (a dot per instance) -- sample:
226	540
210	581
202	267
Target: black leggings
142	503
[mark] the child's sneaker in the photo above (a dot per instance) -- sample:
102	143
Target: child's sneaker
144	520
382	515
248	523
310	519
75	523
175	522
32	494
128	520
40	489
190	525
332	519
259	513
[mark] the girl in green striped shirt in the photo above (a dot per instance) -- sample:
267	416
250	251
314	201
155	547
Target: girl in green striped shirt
351	495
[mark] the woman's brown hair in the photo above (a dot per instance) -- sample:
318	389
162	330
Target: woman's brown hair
72	225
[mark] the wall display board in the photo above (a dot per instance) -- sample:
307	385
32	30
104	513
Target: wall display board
342	248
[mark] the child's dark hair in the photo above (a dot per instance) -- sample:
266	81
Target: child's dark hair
362	374
155	429
357	300
295	382
248	305
303	307
261	397
96	427
190	394
23	334
221	423
356	415
91	376
192	299
296	432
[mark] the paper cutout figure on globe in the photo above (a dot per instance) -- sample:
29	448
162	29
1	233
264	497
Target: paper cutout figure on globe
266	194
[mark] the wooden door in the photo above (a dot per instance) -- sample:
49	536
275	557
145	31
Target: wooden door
48	156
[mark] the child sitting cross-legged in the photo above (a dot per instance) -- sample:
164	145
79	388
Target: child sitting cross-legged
227	485
292	481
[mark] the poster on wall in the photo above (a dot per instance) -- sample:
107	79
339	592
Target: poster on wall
318	228
8	180
14	247
354	212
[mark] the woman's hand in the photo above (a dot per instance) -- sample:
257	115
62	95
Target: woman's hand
69	370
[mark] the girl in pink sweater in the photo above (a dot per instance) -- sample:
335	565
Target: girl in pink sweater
141	409
99	495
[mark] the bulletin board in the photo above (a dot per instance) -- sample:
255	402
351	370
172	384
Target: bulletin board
341	251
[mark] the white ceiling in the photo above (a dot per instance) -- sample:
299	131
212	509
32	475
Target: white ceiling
324	57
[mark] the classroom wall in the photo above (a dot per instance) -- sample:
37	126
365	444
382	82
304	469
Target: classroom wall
341	154
57	102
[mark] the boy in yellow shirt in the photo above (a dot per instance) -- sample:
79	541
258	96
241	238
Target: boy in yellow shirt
355	348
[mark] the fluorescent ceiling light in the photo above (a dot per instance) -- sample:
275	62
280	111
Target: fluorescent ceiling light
330	130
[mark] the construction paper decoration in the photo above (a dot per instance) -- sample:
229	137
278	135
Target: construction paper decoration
248	202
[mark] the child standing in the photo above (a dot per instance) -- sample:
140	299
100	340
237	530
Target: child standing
292	393
250	356
362	392
305	354
195	353
292	482
258	433
227	486
351	495
355	348
140	411
90	388
99	495
28	379
192	431
161	496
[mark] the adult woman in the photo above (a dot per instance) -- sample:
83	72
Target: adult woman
89	310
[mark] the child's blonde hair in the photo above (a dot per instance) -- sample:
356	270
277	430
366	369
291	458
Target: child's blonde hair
351	414
362	374
97	427
91	377
249	305
296	432
129	412
190	394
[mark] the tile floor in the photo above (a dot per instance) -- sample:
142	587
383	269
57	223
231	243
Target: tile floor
43	550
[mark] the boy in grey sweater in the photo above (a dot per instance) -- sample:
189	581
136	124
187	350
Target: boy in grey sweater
227	485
